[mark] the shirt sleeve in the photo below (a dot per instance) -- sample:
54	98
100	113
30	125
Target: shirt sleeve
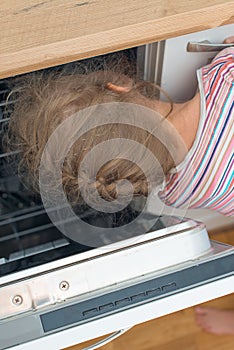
224	56
221	68
209	183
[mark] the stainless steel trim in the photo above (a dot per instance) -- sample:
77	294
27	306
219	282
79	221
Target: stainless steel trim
153	62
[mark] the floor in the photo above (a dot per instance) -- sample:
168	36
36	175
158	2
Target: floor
176	331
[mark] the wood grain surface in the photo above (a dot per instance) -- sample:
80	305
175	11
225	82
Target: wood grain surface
36	34
177	331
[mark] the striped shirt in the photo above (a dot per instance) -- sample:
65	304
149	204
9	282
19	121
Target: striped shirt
205	178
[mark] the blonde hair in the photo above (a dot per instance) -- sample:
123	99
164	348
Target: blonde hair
44	101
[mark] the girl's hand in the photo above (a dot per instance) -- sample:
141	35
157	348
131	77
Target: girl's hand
229	40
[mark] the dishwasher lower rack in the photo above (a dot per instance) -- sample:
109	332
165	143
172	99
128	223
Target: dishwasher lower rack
27	236
96	292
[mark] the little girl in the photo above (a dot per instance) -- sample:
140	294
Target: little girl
204	123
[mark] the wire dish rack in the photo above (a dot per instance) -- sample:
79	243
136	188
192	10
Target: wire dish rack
27	236
25	229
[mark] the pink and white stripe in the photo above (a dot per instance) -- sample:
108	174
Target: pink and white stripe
210	184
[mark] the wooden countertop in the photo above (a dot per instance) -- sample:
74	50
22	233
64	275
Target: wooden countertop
35	34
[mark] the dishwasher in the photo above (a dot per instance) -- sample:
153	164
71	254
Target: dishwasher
55	293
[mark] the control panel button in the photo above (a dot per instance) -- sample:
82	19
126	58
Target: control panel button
90	312
106	306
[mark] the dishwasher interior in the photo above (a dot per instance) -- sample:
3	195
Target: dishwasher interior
27	236
52	284
25	229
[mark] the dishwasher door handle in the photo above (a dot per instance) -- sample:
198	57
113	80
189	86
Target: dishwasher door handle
206	46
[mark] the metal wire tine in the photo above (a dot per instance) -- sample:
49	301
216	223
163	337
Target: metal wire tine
18	214
4	120
4	91
27	232
8	154
22	217
5	103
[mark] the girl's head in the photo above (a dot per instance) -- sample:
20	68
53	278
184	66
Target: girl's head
44	101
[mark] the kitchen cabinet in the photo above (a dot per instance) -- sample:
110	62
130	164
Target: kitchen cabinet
37	34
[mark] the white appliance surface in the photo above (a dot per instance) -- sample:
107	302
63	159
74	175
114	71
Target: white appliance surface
103	267
131	317
107	290
178	75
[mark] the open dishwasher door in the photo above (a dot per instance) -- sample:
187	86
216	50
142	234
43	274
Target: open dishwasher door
81	296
